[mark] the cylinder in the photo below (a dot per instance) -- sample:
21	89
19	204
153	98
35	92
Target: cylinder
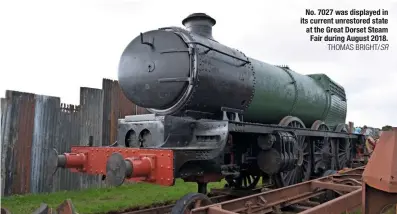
140	167
72	160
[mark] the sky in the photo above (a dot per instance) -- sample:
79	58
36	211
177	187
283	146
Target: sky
53	47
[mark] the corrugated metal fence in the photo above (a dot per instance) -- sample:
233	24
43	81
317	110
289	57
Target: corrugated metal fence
32	125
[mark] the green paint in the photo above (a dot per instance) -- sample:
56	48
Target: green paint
276	91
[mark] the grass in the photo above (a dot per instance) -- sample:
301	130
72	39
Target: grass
103	200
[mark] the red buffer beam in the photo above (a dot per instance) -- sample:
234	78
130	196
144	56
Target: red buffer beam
120	164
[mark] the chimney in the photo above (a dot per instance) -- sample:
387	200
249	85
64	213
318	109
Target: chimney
199	23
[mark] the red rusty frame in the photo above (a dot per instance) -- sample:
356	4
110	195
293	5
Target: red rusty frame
348	182
380	175
381	172
149	165
66	207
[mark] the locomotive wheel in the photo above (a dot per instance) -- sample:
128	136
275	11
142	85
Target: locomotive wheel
323	156
245	181
189	202
343	149
302	169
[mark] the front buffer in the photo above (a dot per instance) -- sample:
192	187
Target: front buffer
118	164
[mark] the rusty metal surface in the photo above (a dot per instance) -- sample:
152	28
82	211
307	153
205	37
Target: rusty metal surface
347	184
23	144
141	110
115	105
17	141
381	171
349	202
376	201
167	208
65	207
380	175
241	193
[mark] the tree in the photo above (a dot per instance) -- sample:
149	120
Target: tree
387	128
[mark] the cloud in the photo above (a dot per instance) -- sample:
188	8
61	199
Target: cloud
54	47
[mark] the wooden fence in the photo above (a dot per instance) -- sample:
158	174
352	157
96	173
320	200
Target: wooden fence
32	125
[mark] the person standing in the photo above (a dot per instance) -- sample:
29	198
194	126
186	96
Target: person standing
365	131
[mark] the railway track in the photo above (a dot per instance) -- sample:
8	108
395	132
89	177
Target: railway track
266	199
314	196
167	208
216	196
341	191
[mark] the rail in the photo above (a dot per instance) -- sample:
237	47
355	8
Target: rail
306	197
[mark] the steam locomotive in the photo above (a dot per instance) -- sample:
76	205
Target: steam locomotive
217	114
